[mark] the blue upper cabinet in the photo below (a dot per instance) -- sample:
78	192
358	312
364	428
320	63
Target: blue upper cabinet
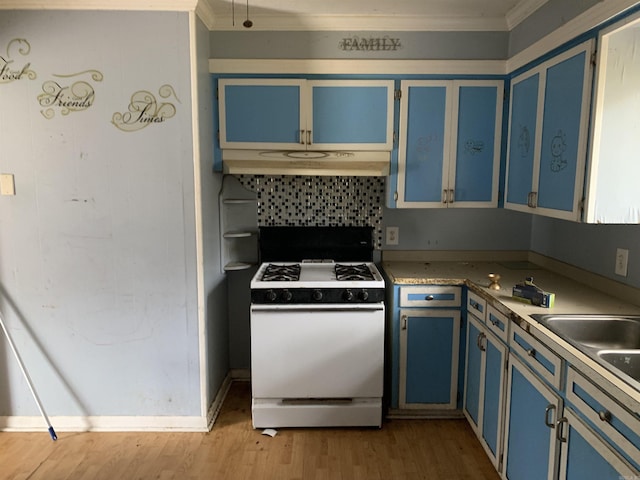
548	129
298	114
449	150
261	113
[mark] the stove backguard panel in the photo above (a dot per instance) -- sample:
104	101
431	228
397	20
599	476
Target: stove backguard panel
319	201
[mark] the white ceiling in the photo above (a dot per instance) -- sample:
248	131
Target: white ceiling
372	15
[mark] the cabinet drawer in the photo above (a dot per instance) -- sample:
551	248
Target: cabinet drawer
430	296
498	323
620	426
476	304
546	363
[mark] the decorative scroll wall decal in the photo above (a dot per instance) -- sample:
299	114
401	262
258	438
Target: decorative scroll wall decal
144	110
71	98
9	70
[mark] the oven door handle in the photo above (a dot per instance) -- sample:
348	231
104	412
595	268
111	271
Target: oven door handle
316	308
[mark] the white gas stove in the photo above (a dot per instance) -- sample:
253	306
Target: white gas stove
317	340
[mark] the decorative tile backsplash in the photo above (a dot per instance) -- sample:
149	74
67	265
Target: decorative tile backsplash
318	201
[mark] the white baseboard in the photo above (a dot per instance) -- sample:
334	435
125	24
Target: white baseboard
105	424
16	423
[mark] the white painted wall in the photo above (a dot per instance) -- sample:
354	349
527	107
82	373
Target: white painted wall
98	246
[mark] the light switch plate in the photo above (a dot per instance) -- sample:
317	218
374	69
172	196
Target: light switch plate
7	184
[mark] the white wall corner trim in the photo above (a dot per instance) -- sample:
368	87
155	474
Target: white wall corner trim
593	17
382	67
216	405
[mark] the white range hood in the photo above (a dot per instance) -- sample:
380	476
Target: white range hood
269	162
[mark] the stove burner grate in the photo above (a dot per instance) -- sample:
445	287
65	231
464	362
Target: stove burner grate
353	272
281	273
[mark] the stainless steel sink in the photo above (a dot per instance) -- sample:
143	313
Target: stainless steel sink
595	331
627	361
611	340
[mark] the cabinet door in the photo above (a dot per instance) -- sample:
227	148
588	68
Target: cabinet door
351	114
429	345
261	113
449	149
473	171
484	387
530	448
522	135
425	132
564	133
585	454
474	372
548	135
495	358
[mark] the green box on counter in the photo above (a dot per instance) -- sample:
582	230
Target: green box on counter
527	292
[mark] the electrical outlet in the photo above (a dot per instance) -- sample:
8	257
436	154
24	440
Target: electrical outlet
393	236
622	259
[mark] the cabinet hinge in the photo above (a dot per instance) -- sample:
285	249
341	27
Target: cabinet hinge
397	94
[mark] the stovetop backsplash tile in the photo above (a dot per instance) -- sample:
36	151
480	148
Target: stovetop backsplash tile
318	201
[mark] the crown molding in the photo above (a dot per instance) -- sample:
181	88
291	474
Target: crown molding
355	67
354	23
148	5
521	11
599	13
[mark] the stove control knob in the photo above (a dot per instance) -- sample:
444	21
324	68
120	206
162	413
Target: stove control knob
348	295
271	296
317	295
363	295
287	295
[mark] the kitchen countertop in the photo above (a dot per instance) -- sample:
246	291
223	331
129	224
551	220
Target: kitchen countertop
571	297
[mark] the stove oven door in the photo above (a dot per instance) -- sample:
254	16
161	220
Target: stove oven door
317	351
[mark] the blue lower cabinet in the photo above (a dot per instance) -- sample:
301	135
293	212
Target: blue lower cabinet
484	386
531	447
585	455
429	346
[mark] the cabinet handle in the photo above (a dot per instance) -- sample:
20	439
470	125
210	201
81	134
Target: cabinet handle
548	423
605	416
444	196
428	298
301	137
481	336
559	429
403	319
451	196
531	352
308	137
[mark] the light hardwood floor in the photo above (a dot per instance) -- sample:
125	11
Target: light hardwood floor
402	449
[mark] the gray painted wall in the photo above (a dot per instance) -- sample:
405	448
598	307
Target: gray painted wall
589	246
414	45
98	246
459	229
549	17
